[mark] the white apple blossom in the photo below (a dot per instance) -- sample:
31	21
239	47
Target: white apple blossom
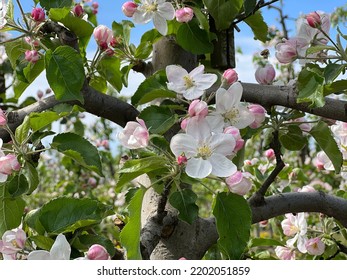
297	226
206	153
192	85
60	250
229	110
157	10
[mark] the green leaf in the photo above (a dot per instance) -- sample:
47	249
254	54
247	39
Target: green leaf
193	39
11	210
203	21
259	27
79	149
22	131
152	88
146	45
293	139
332	71
223	11
18	186
48	4
233	220
65	73
323	136
43	242
338	87
14	49
310	85
130	235
122	30
109	68
249	6
318	48
98	83
32	176
255	242
32	220
67	214
136	167
158	119
184	202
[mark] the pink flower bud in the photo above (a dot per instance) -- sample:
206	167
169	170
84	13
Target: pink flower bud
78	10
258	113
198	109
129	8
105	144
285	253
270	154
235	132
32	56
184	15
32	42
181	160
97	252
38	14
92	182
134	135
103	36
109	52
287	51
315	246
8	164
39	94
184	123
3	118
264	223
114	42
314	20
239	183
95	5
230	76
265	75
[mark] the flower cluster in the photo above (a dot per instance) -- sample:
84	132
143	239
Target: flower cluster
310	30
159	11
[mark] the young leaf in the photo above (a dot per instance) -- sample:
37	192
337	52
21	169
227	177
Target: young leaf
130	235
233	220
65	73
43	119
184	202
322	134
158	119
17	186
79	149
11	210
293	139
32	176
67	214
48	4
249	6
22	131
258	25
109	68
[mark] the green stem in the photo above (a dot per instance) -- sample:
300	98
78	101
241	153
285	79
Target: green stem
23	14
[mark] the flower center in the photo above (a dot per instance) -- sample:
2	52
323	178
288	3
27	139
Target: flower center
204	151
188	81
232	116
150	7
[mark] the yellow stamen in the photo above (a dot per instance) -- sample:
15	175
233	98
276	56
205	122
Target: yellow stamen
204	151
188	81
232	116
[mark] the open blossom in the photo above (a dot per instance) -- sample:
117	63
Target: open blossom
129	8
184	14
239	183
103	36
315	246
157	10
297	226
97	252
229	110
322	161
265	75
134	135
285	253
192	85
3	11
12	242
206	152
60	250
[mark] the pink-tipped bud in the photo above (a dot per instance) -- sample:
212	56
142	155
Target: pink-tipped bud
235	132
270	154
39	94
8	164
3	118
114	42
264	223
259	115
184	15
103	36
92	182
78	10
198	109
184	123
97	252
230	76
32	56
32	42
314	20
239	183
265	75
109	52
95	5
129	8
181	159
38	14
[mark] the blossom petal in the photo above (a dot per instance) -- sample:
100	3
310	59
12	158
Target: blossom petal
301	244
183	143
166	10
199	129
206	81
39	255
61	249
197	72
198	168
216	122
245	117
160	24
223	144
192	93
222	166
175	74
142	17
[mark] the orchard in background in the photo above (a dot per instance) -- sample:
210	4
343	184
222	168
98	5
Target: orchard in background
204	167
